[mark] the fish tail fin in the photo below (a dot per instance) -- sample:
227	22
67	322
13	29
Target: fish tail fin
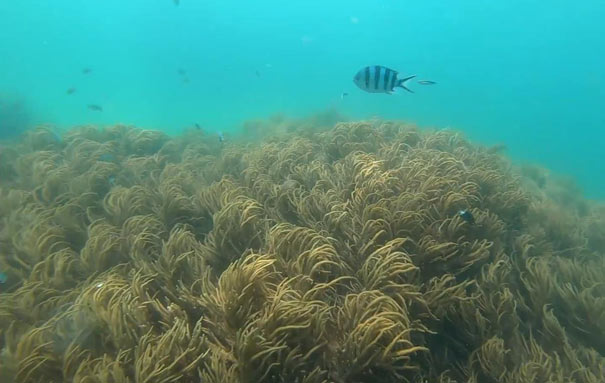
401	83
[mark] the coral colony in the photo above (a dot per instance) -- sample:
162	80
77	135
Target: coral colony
346	254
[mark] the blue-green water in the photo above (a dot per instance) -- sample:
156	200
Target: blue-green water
528	74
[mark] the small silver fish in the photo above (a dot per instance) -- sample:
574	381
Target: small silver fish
380	79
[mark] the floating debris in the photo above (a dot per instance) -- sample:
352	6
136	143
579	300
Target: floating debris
96	108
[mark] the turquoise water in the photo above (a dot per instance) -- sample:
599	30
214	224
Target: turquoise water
527	74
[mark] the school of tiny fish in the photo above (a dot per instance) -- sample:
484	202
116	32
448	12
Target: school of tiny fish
371	79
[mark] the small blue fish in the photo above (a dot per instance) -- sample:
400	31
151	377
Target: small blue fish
221	137
380	79
467	216
3	277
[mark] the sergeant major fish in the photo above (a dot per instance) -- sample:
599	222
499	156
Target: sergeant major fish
380	79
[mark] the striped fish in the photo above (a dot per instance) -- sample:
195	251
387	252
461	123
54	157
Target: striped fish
380	79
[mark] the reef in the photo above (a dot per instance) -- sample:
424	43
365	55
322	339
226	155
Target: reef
313	256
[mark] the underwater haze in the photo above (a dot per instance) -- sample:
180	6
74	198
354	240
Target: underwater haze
303	192
526	74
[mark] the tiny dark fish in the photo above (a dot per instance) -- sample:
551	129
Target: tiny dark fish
257	73
344	94
380	79
3	277
198	126
496	149
96	108
176	2
182	71
86	70
467	216
426	82
107	157
186	80
71	91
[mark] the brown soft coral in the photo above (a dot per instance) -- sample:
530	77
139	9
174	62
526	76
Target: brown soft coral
317	255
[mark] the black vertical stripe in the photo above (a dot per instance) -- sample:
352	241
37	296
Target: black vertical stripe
367	77
376	76
387	73
393	80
